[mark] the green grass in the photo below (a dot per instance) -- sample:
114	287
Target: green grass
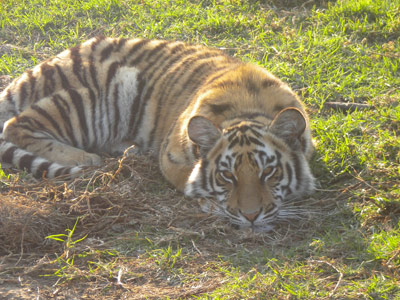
347	51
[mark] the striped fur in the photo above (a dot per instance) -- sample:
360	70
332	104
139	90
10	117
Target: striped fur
222	129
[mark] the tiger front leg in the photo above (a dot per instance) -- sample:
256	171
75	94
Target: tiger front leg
37	137
174	165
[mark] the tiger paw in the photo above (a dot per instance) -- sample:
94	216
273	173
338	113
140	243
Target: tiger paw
90	159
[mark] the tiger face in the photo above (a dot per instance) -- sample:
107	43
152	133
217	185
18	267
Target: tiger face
249	167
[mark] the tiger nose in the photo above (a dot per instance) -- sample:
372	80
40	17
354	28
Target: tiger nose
252	216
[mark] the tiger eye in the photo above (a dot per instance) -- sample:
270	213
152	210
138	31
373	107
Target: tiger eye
278	171
267	173
227	176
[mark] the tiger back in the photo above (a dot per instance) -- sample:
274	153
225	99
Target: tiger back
225	131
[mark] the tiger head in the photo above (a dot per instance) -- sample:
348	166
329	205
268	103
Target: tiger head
250	166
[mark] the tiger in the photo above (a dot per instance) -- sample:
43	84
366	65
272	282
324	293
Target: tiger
226	132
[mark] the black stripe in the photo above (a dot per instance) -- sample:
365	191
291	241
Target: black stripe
93	106
290	176
194	149
184	147
26	161
8	155
148	54
252	115
229	159
106	52
66	118
155	62
252	87
241	141
47	116
157	49
32	82
28	126
23	94
116	118
211	181
77	63
215	193
217	160
47	72
121	42
59	172
263	157
92	64
100	116
138	58
77	101
31	125
278	156
233	143
42	169
220	72
289	172
112	70
93	72
66	170
10	100
99	38
255	141
139	114
9	96
255	132
134	109
64	80
225	84
278	107
170	61
219	109
204	165
297	169
136	47
238	161
269	82
270	159
178	48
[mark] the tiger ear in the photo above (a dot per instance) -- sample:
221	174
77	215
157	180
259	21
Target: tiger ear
203	133
289	124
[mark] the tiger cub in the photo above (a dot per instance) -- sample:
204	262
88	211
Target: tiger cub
225	131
